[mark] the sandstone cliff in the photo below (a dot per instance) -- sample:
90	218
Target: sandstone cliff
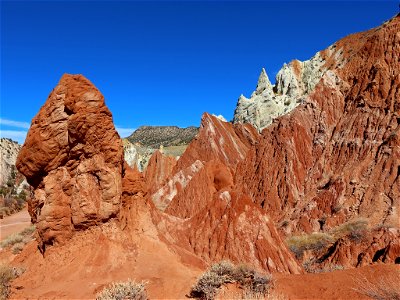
8	156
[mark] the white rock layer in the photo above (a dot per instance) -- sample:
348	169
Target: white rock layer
293	83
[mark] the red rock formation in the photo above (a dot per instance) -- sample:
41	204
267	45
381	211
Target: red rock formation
232	227
337	155
380	245
73	158
218	140
207	165
216	223
160	166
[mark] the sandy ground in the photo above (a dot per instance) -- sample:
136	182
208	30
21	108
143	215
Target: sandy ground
14	223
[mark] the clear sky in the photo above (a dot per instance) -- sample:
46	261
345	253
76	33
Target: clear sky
162	63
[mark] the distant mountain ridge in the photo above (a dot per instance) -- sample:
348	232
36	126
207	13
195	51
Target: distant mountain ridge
155	136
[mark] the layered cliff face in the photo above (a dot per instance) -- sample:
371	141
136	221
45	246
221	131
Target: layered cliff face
336	156
93	212
73	158
206	215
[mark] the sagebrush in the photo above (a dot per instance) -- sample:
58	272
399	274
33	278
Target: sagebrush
128	290
251	281
7	274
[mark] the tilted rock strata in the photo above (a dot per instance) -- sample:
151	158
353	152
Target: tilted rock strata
73	157
232	227
337	156
204	214
159	168
211	157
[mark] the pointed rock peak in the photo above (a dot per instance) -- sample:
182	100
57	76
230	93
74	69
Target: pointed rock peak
263	82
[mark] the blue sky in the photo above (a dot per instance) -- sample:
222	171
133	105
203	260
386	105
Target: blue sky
162	63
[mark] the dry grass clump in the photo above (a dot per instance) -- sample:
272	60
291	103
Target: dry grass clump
252	282
7	274
314	241
354	229
17	241
129	290
386	288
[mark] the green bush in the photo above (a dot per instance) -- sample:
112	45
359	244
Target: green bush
123	291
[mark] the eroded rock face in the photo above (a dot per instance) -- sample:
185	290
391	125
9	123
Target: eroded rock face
210	158
337	156
73	157
379	245
232	227
204	214
293	83
159	168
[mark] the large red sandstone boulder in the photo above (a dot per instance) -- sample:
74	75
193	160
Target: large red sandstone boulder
73	158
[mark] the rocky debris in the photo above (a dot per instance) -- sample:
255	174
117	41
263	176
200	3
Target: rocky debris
336	156
155	136
8	156
73	158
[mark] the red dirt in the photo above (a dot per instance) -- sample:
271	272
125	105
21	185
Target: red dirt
14	223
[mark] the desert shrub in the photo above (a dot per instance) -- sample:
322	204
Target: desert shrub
386	288
17	241
7	274
17	248
314	241
225	272
207	285
224	268
129	290
354	229
28	231
312	266
11	240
